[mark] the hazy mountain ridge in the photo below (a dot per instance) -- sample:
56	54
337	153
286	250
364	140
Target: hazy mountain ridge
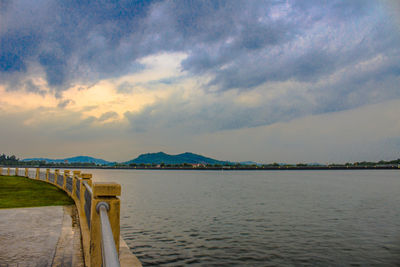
187	157
77	159
148	158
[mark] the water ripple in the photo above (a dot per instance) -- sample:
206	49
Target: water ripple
297	218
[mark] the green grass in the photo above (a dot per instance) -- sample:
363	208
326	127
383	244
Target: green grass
18	192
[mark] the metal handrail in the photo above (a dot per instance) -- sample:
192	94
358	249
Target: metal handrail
88	187
108	249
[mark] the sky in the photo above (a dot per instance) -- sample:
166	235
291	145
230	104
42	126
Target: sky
265	81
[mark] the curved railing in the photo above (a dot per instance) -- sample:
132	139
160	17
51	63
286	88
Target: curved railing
98	207
108	250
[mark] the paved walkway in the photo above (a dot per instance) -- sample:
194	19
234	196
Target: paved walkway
40	236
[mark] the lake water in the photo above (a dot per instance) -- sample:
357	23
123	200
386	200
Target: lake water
260	218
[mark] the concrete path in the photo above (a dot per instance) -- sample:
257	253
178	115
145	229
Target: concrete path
40	236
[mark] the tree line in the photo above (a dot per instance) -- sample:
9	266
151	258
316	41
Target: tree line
8	160
14	161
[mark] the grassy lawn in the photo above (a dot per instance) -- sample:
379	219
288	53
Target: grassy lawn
17	192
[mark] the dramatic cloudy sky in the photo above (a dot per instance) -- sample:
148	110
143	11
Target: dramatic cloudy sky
285	81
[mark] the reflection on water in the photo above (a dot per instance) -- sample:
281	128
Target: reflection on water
260	218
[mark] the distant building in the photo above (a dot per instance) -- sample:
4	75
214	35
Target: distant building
197	165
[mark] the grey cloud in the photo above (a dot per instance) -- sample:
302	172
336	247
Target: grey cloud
4	5
293	47
88	108
33	88
353	93
212	113
92	40
54	66
125	88
72	41
64	103
241	44
28	85
108	115
129	87
199	116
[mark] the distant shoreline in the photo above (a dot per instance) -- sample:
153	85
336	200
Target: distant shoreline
226	168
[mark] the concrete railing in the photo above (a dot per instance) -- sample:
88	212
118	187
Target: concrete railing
98	206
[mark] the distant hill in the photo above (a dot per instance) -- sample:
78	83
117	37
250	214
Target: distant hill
161	157
148	158
78	159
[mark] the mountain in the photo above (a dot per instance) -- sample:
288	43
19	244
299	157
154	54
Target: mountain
78	159
149	158
161	157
